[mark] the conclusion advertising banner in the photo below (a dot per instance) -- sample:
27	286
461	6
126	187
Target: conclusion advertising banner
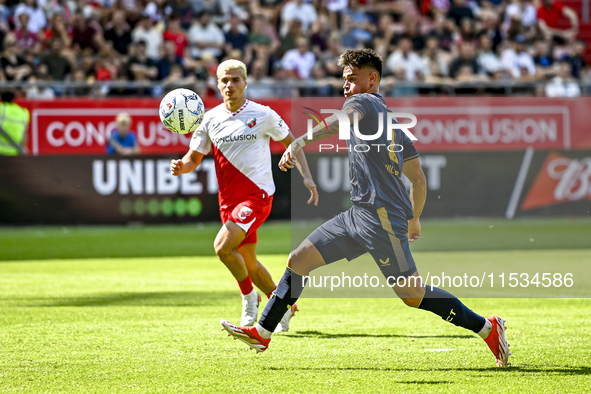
83	126
465	123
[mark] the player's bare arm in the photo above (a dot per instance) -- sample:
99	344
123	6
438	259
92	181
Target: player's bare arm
302	165
188	163
289	158
418	193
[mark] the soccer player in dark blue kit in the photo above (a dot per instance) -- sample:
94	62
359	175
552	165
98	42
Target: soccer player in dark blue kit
382	221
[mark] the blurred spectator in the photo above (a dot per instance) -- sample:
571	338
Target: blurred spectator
297	9
37	92
549	14
467	57
320	35
349	33
321	84
28	42
234	38
57	28
404	58
487	59
411	30
176	78
576	59
517	61
176	34
183	10
37	19
14	123
80	77
563	85
288	41
490	27
300	60
260	86
466	32
330	57
140	66
543	56
459	10
119	33
15	68
106	70
57	7
205	37
169	59
87	63
53	63
85	35
157	10
523	12
123	141
262	32
147	32
433	54
466	74
443	29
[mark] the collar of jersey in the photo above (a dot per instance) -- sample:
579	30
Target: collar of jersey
239	109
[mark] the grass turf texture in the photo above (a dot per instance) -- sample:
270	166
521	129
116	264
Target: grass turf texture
151	324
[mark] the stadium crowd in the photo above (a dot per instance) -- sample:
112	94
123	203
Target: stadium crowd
179	42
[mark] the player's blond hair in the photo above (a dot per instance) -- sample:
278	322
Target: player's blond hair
232	64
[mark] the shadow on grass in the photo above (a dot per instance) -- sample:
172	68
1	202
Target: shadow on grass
321	335
178	299
583	370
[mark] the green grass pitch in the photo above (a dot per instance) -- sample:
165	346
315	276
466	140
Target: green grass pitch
126	322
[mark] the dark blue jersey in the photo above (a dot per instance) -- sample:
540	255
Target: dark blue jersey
375	167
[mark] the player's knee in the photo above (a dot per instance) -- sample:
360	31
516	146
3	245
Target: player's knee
223	250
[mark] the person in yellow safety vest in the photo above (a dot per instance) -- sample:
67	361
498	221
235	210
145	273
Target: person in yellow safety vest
14	121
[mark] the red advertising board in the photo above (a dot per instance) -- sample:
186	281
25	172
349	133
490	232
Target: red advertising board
82	126
470	123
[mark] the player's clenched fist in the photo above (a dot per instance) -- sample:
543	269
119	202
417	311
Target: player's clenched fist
176	167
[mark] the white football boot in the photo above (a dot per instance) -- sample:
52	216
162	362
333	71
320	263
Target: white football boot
283	325
250	308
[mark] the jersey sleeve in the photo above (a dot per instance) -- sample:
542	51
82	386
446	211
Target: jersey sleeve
409	151
200	142
276	127
358	102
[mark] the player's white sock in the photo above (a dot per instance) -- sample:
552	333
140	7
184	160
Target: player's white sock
486	330
265	334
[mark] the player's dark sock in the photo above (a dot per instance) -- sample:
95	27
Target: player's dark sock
245	285
285	295
451	309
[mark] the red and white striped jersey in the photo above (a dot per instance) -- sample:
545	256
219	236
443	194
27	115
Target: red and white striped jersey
240	143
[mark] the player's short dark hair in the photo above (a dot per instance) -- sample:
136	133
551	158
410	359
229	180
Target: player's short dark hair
359	58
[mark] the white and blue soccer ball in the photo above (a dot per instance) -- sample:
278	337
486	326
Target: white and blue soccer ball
181	111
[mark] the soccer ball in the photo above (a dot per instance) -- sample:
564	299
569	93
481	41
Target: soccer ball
181	111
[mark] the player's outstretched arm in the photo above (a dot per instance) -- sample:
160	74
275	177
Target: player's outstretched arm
302	165
187	164
418	193
289	158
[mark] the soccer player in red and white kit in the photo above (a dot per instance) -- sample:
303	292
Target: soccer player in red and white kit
239	131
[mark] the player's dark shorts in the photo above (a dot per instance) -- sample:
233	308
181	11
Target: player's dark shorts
362	230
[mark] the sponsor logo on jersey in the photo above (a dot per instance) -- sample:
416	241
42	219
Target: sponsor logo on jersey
251	122
244	213
233	138
385	262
